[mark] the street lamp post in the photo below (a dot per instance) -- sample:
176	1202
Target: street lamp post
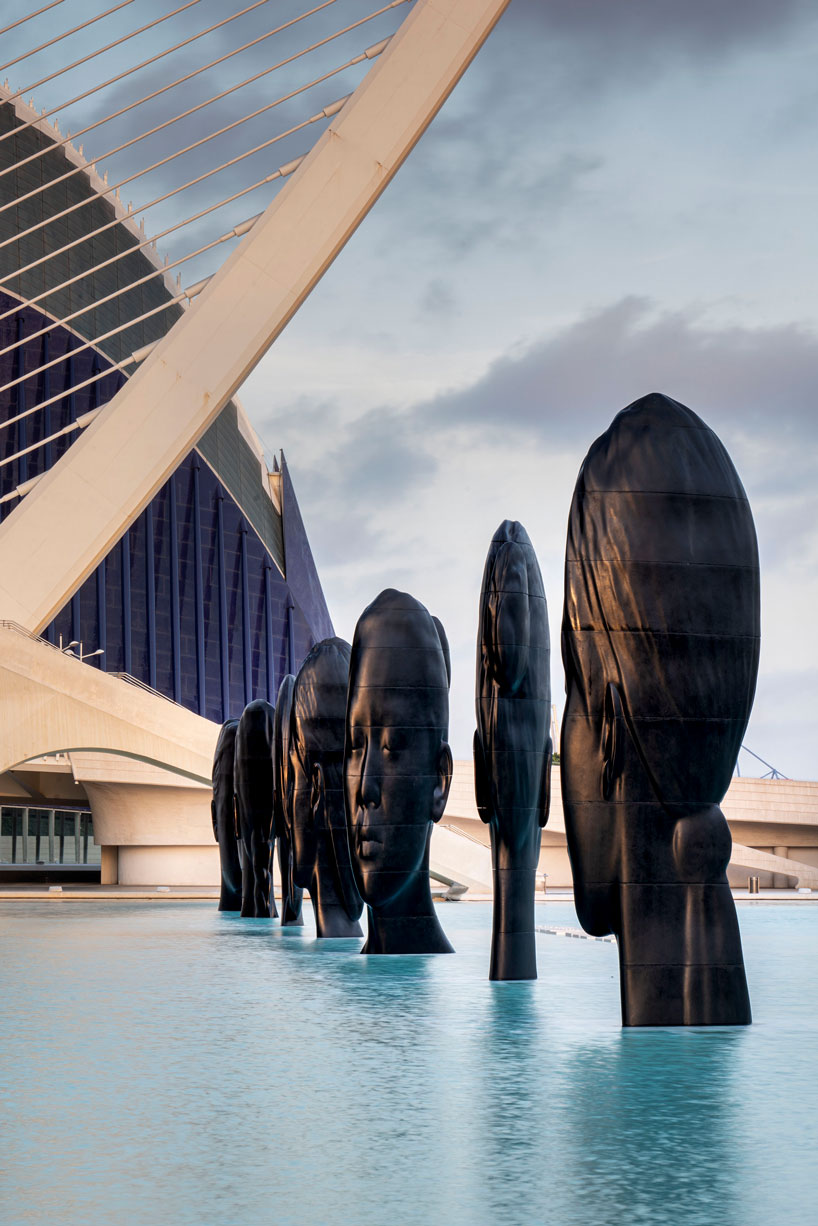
80	655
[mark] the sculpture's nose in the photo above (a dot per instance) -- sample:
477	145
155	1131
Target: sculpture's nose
370	784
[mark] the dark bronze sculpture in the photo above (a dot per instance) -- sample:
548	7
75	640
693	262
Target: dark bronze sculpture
253	782
223	814
512	744
397	769
660	643
291	895
320	861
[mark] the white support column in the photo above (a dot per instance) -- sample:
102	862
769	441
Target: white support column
57	535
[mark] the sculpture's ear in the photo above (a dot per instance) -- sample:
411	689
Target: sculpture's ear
546	784
444	782
317	806
482	782
213	819
613	740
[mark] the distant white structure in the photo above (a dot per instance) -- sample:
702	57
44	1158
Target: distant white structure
774	824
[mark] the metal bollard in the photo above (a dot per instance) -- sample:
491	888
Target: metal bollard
752	885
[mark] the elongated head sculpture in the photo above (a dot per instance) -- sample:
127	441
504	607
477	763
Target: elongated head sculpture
253	781
222	809
291	895
512	744
320	847
397	769
660	642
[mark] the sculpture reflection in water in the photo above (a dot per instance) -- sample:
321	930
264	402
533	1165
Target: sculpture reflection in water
291	895
512	744
253	782
660	643
223	813
397	769
320	860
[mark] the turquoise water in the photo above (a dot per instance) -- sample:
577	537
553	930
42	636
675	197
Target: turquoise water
162	1063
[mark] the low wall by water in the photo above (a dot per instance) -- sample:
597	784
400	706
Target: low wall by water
777	817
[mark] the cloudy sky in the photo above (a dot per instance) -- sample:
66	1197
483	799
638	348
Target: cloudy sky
618	198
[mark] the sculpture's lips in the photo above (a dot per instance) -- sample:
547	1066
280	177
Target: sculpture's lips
367	843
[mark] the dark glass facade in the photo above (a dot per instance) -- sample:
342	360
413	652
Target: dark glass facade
193	599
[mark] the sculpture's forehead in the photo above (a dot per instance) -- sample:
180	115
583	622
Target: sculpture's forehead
407	667
394	707
320	699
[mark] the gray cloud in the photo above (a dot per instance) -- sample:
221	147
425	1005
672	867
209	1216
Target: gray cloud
756	387
438	298
558	388
511	130
376	466
618	37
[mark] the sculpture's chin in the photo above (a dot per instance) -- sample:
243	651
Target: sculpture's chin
702	845
376	888
594	907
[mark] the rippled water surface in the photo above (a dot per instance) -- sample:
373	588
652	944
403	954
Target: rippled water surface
163	1063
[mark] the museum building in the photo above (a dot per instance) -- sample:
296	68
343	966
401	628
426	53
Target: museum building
212	594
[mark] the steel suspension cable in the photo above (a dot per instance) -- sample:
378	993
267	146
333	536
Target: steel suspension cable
241	228
191	292
76	387
151	240
235	232
281	172
152	60
135	140
86	344
117	42
21	21
123	4
370	53
202	140
79	423
29	16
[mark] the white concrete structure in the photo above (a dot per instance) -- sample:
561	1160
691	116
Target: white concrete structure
774	824
51	703
455	855
141	762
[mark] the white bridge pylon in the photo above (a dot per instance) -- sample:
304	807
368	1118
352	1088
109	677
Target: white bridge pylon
77	511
